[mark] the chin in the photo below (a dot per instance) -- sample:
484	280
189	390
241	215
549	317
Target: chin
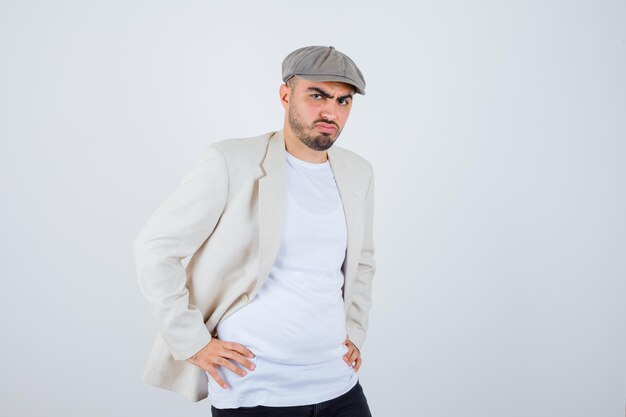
323	143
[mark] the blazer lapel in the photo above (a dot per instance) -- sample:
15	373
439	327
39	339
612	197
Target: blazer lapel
271	205
344	177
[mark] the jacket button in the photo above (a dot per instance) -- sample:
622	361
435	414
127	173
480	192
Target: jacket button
245	298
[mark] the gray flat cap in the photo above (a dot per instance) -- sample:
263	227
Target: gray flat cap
323	63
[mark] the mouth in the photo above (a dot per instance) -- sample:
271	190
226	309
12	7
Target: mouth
326	127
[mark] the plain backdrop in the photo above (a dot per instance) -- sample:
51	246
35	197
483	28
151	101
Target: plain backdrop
497	130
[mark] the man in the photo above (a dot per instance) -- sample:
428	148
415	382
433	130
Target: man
272	308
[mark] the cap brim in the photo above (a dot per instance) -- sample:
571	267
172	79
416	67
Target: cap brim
337	78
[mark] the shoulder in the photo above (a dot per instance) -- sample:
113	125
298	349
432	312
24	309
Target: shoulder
238	158
355	161
238	151
243	146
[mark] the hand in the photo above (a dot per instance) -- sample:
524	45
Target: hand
353	356
217	353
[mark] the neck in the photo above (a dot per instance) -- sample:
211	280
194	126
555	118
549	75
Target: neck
298	149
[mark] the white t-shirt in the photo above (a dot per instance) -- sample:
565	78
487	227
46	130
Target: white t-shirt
295	325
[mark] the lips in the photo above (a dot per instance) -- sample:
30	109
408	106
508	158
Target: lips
326	127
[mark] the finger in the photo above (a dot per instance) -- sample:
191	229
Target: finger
358	364
225	363
346	356
239	348
239	358
217	377
353	357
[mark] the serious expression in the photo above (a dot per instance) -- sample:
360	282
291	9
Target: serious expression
317	111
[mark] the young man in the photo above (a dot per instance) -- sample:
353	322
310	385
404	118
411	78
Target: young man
270	312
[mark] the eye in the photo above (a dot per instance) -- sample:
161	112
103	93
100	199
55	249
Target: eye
316	96
343	101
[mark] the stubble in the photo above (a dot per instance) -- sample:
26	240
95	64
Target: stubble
318	142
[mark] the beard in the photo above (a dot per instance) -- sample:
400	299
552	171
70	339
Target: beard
316	141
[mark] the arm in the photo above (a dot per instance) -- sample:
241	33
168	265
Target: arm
175	231
357	316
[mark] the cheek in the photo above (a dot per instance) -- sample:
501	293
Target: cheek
307	110
343	116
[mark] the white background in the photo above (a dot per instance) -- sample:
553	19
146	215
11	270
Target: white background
497	130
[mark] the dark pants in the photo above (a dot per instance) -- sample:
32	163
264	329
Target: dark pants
350	404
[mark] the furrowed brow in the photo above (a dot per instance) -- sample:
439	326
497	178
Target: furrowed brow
320	91
345	97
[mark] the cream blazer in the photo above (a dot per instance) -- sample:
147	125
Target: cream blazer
225	223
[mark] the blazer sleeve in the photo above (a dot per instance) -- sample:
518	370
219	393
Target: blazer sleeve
358	314
180	225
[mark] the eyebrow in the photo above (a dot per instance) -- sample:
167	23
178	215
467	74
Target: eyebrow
325	94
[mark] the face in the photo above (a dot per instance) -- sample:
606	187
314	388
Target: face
317	111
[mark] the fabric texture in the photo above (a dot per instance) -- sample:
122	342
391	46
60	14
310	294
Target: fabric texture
351	404
295	325
226	220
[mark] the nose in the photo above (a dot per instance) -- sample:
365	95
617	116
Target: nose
329	110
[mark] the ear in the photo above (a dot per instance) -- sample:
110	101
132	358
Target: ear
285	94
